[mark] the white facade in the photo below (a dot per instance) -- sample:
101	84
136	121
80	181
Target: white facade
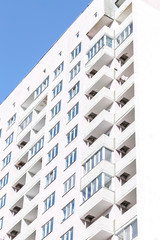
67	142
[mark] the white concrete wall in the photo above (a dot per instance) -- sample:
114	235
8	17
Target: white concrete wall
147	96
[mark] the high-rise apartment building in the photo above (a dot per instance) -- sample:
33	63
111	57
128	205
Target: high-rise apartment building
68	148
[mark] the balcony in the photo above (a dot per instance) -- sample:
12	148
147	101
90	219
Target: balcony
102	141
126	134
103	166
29	213
23	154
29	231
97	203
105	21
123	11
125	189
99	55
125	85
126	108
126	70
101	229
102	100
30	189
101	79
126	218
125	161
101	124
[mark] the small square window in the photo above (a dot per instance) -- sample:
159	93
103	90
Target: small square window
77	34
60	53
95	14
14	104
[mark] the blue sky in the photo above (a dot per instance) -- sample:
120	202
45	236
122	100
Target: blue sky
28	28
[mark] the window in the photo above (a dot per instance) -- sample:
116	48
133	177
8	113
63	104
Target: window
68	210
47	228
72	134
53	153
128	233
123	36
95	14
12	120
4	181
36	148
26	122
51	176
77	34
103	180
69	184
76	51
73	112
71	158
73	91
56	109
6	160
58	70
41	88
57	89
2	201
9	140
49	202
0	133
68	235
54	131
104	41
102	154
75	70
1	223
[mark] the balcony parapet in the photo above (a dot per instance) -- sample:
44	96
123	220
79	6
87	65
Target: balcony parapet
102	141
102	100
103	166
101	229
97	203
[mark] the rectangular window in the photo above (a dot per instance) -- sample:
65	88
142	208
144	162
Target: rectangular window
69	184
76	51
58	70
0	133
41	87
73	112
9	140
101	154
71	158
75	70
2	201
47	228
36	148
1	223
72	134
57	89
26	122
12	120
54	131
68	210
51	176
6	160
53	153
124	35
103	180
68	235
73	91
129	232
4	181
56	109
49	202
